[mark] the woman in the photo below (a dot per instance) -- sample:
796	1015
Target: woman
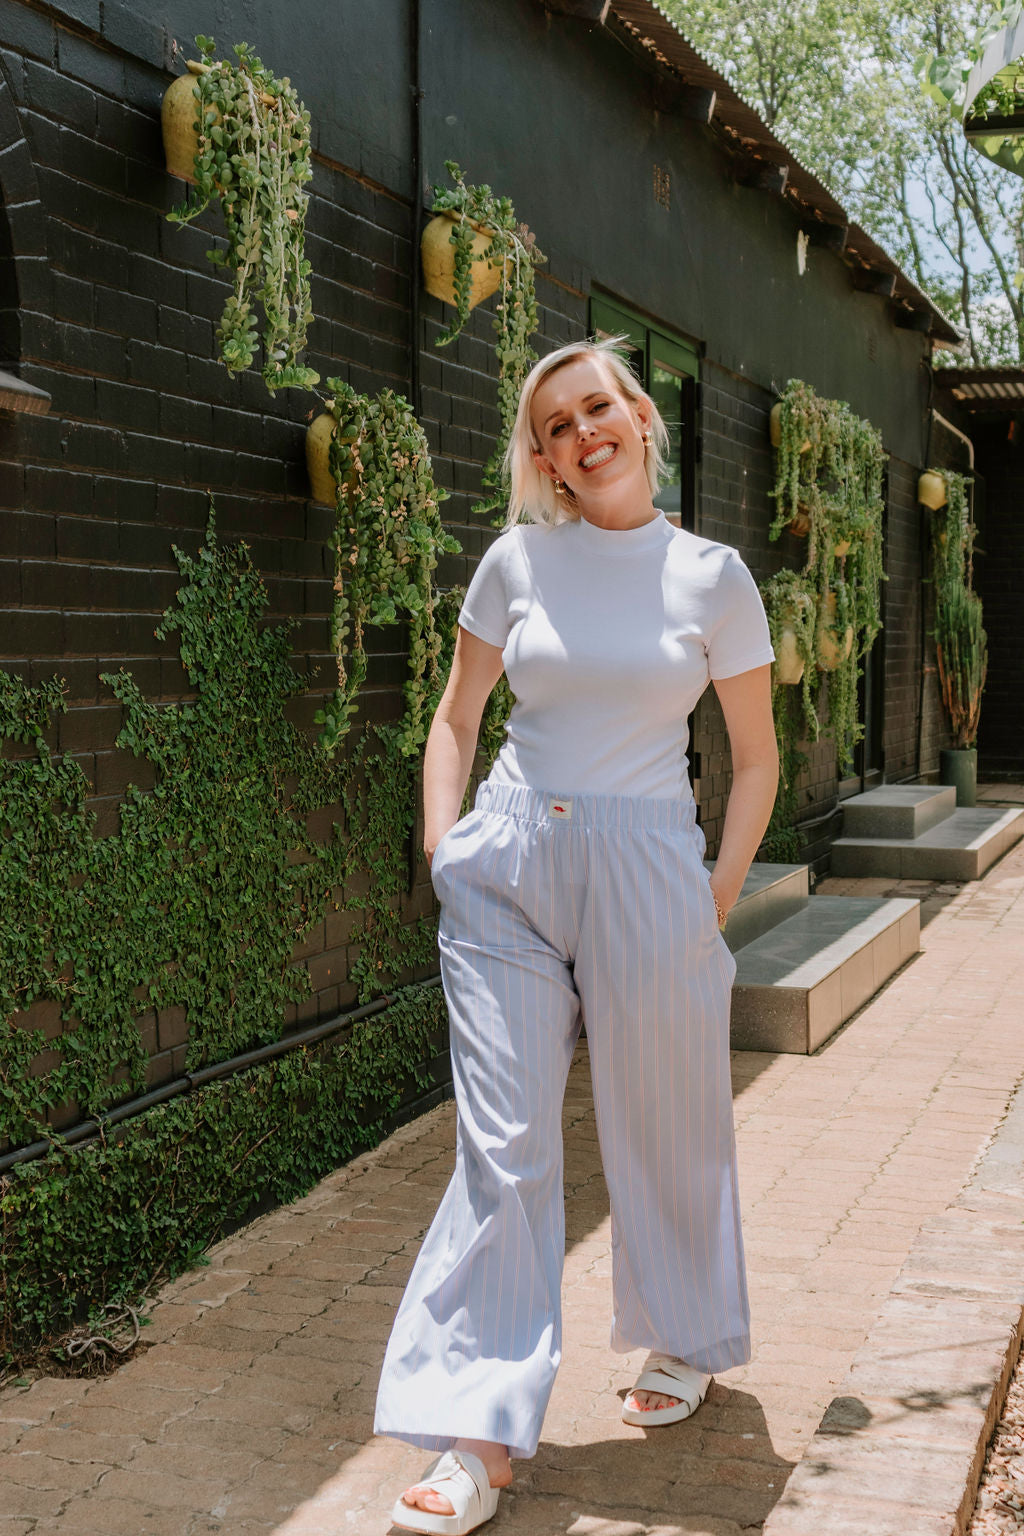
575	888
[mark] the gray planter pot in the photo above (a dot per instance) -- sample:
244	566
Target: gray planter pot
959	766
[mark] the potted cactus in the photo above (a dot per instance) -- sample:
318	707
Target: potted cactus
961	645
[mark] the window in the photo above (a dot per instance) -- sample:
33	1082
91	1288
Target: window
668	368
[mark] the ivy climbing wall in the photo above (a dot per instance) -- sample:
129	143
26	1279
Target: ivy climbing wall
308	901
181	926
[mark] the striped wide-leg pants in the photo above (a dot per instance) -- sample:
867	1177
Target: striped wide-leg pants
551	909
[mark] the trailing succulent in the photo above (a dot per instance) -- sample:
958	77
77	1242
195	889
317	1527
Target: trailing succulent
386	542
211	880
513	247
791	610
829	472
253	155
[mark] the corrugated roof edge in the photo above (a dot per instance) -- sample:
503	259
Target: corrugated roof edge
980	391
660	36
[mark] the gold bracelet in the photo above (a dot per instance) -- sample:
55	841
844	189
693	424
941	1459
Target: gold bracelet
722	917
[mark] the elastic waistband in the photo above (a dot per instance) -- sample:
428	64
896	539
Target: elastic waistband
623	811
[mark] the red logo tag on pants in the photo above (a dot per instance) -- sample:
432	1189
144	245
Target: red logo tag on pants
560	808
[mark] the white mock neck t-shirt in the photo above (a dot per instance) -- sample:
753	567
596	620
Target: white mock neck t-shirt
609	637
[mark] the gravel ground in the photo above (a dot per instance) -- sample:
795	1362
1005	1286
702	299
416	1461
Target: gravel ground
1000	1506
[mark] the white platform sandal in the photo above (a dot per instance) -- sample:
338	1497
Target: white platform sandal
672	1378
461	1478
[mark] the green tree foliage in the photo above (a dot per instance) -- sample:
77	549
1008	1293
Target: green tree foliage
835	81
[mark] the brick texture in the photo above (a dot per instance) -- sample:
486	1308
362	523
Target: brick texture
116	320
1000	560
873	1277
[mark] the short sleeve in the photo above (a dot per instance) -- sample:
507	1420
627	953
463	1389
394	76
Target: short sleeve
485	608
738	637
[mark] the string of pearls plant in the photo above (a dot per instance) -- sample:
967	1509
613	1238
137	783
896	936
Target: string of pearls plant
829	471
386	542
792	622
253	153
512	247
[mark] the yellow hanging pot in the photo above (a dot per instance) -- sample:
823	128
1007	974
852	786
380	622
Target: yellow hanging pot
178	117
775	428
789	664
319	436
437	260
830	650
932	490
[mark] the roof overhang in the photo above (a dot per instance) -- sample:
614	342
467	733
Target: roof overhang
694	89
984	391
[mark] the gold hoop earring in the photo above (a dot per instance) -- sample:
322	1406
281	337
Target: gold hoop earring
559	487
646	439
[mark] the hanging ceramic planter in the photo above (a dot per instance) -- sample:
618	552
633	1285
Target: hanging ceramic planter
932	490
800	523
437	260
178	117
775	428
789	662
319	437
830	650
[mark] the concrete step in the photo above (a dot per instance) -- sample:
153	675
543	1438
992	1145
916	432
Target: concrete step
898	810
799	982
961	847
770	894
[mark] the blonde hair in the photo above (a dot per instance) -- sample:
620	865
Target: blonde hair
533	495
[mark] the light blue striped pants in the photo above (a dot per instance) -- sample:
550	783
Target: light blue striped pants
551	909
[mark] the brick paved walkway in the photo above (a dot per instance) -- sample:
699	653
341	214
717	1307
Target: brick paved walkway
251	1410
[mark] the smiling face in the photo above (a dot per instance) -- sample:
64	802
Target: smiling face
591	435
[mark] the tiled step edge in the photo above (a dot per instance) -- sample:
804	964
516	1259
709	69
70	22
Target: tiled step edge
898	810
901	1448
770	894
798	984
962	847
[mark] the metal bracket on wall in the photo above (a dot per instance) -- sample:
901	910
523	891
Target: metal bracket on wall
593	11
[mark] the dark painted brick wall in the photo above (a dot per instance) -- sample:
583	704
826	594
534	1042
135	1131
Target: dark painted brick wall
145	424
737	474
902	610
118	321
947	451
998	568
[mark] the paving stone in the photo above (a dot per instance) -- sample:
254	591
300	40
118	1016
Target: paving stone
253	1410
104	1516
169	1489
79	1444
31	1469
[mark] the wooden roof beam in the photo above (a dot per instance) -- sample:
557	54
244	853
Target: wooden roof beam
594	11
921	320
830	237
874	280
676	97
764	175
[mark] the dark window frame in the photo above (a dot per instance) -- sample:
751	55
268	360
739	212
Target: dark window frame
654	347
